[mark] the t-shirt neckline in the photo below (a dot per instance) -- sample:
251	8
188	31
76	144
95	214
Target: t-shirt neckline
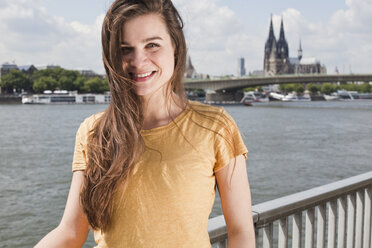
179	118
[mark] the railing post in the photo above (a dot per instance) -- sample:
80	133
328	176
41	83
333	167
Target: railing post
359	219
268	236
350	220
341	234
297	230
309	237
321	219
332	213
367	234
283	233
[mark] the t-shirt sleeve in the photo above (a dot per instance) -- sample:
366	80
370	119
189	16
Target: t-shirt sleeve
228	142
79	161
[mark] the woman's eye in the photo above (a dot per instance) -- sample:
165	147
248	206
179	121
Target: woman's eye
125	50
152	45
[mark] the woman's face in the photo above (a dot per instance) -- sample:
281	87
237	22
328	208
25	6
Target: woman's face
147	52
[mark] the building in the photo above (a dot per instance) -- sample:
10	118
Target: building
6	67
28	69
189	70
277	60
241	67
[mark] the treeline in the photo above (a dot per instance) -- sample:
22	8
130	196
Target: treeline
314	89
51	79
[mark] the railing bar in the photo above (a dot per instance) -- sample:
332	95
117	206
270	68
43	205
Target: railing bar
283	233
321	219
367	234
257	236
341	230
268	236
332	213
359	219
297	230
350	220
309	231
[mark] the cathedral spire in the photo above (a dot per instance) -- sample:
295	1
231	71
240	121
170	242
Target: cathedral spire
271	32
282	43
300	51
281	35
271	39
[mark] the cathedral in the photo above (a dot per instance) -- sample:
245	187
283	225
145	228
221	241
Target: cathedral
277	60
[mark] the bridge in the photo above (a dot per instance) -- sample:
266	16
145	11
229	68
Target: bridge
230	89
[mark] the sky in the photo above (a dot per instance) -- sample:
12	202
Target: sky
218	32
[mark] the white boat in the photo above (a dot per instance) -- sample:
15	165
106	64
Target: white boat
332	97
295	98
254	96
276	96
59	97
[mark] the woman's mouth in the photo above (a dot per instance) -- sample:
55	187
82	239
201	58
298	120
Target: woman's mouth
141	76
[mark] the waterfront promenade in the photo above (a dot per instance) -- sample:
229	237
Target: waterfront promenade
333	215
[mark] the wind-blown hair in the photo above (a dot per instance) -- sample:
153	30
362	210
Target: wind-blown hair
115	143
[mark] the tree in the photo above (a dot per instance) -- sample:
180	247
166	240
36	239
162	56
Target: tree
299	88
65	78
365	88
79	84
95	85
313	88
15	81
45	83
328	88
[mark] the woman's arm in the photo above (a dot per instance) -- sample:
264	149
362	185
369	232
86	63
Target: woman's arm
74	227
236	203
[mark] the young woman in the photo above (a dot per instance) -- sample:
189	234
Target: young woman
145	169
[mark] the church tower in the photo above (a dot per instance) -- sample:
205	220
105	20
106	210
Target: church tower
270	52
283	55
276	60
299	52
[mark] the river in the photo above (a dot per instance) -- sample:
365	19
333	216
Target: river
292	147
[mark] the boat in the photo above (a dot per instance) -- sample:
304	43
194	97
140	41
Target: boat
291	97
332	97
64	97
273	96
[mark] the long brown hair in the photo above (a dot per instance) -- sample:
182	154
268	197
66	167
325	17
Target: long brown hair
115	143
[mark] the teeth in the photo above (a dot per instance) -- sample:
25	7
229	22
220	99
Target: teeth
143	75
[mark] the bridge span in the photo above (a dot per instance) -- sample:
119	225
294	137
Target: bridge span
232	85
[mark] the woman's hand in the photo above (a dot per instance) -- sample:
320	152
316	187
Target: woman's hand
74	227
236	203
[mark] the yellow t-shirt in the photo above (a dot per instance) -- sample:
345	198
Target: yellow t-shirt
171	192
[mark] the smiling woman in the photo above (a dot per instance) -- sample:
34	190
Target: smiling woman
145	170
148	53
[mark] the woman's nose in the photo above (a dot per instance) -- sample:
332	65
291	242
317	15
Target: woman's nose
138	58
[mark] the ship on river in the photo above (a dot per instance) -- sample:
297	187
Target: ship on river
66	97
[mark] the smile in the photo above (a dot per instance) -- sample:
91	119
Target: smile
141	77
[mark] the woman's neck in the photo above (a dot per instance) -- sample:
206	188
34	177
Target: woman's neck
159	110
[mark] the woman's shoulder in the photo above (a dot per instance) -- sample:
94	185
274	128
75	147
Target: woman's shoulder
205	108
208	110
88	123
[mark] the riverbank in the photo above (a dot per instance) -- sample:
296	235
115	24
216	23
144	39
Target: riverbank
10	99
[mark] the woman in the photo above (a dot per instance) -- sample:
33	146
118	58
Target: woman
145	169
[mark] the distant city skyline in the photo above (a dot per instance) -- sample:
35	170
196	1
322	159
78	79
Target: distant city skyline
67	33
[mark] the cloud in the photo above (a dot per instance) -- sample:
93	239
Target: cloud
215	36
33	36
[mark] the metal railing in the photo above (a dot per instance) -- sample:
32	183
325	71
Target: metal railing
334	215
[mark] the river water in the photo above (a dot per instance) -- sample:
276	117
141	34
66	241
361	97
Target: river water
292	147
